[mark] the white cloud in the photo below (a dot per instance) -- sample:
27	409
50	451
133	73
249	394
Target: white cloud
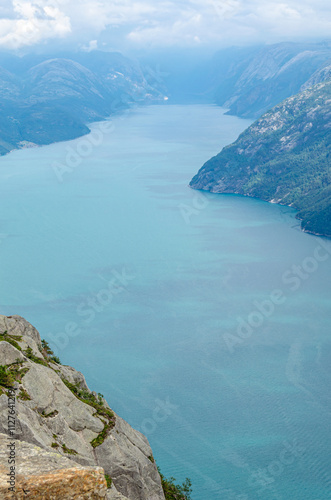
32	22
231	22
92	45
162	22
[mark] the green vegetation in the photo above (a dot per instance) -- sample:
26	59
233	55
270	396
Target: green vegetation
49	415
54	445
6	377
55	359
23	395
11	339
69	451
103	434
87	397
101	411
173	491
151	458
10	374
48	353
285	157
45	349
29	354
108	480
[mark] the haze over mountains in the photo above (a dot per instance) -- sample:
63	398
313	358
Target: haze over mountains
265	77
45	99
48	100
247	80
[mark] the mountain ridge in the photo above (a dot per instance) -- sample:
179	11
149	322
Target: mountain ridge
46	100
253	81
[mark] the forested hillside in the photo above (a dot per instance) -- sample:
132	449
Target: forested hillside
283	157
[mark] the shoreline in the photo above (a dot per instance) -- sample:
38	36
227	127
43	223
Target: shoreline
273	202
88	125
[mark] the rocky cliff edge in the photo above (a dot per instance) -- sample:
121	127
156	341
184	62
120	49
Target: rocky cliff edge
69	443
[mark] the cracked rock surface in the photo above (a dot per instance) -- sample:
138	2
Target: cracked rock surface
51	419
42	474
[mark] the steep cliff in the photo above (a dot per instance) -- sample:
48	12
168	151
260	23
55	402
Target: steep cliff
68	437
283	157
251	81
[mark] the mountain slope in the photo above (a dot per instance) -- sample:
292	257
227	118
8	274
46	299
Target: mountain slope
44	101
251	83
284	157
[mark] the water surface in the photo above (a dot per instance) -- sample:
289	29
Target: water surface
146	286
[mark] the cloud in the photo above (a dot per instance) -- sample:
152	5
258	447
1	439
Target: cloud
125	23
92	45
233	22
28	23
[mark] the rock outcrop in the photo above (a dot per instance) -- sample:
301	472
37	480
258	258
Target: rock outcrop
41	474
71	426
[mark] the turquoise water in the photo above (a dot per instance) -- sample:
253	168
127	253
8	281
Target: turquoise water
147	287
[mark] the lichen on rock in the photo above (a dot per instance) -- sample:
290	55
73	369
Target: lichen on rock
59	416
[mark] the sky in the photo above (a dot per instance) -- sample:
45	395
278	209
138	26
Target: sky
125	24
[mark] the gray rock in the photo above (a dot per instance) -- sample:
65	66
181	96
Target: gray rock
41	474
113	494
124	456
50	394
9	354
18	326
72	375
55	419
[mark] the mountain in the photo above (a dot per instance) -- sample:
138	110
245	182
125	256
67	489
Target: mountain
249	81
321	75
49	100
246	80
283	157
69	443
